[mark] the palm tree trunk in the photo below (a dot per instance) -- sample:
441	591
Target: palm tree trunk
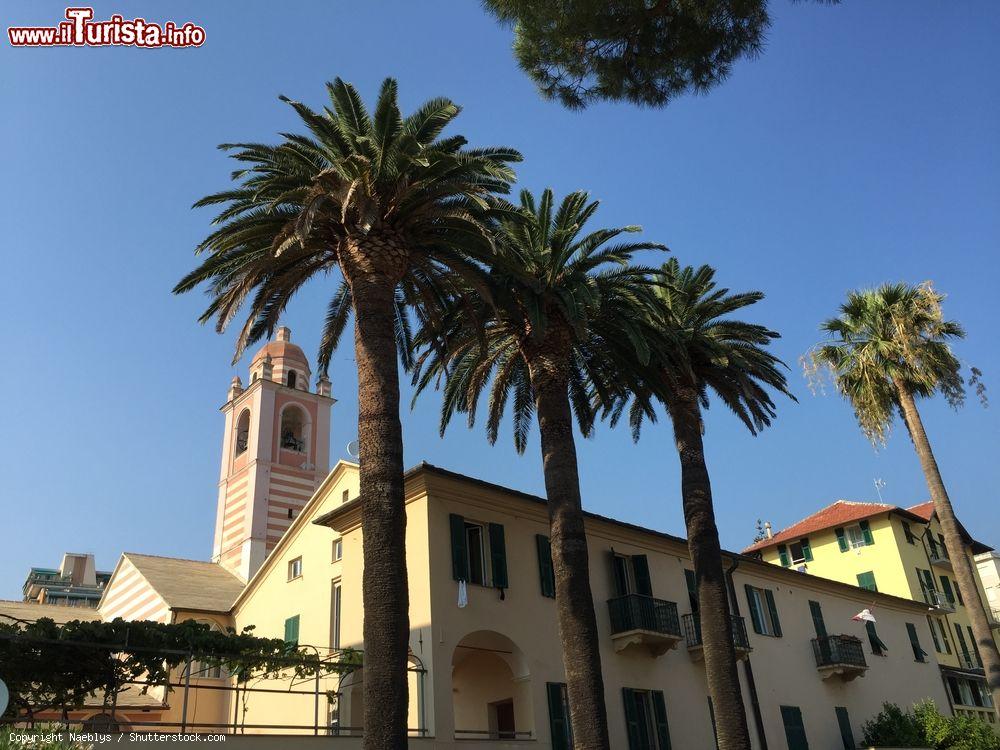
570	560
953	542
706	554
383	517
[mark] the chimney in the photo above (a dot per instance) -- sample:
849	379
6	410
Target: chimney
768	533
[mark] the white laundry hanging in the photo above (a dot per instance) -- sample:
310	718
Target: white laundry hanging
463	595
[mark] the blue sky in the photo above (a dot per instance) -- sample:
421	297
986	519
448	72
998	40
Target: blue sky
860	148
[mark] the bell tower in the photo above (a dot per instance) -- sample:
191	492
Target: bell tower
275	453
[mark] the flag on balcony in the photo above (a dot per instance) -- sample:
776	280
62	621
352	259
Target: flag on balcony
864	615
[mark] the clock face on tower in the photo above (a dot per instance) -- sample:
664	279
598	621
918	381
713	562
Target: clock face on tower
275	453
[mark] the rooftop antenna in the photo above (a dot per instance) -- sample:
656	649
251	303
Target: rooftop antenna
879	484
354	450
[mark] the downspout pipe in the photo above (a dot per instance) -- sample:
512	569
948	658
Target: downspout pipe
758	718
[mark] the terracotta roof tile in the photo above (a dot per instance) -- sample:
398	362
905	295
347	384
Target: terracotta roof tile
835	514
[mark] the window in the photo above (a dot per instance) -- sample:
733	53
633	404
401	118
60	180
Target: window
243	432
344	496
559	724
946	588
918	653
908	533
646	719
854	537
975	646
335	602
478	552
291	513
338	549
867	581
546	573
944	549
846	734
763	612
630	575
692	586
295	568
944	636
292	630
293	429
795	730
291	378
934	635
800	551
877	646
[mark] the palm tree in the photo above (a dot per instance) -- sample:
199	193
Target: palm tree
565	307
701	351
396	210
890	346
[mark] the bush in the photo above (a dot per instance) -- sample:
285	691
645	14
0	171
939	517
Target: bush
893	727
926	727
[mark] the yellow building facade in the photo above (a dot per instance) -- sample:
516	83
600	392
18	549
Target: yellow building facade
899	551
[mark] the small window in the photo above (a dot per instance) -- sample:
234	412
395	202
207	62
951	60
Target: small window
800	551
867	581
344	496
336	598
855	537
908	533
338	549
477	553
295	568
763	611
291	379
646	719
291	514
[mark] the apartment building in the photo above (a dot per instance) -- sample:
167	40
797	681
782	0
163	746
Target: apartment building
899	551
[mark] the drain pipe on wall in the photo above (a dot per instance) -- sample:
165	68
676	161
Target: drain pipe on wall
747	667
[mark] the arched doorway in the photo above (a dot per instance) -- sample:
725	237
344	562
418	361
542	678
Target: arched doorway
491	689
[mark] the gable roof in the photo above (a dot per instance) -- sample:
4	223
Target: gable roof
833	515
194	585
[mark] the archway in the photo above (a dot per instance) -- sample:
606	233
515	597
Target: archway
491	689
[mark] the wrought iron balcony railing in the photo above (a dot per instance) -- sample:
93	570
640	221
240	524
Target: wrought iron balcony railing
839	650
738	627
969	661
638	612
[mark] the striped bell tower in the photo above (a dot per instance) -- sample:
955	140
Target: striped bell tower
275	453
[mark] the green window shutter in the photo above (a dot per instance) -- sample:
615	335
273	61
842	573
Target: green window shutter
783	555
774	612
918	653
632	720
546	573
908	533
459	548
866	532
660	715
817	615
846	735
755	615
867	581
960	644
841	539
807	553
878	648
292	630
975	645
692	584
795	731
944	637
946	588
958	594
929	581
934	635
558	720
640	570
498	556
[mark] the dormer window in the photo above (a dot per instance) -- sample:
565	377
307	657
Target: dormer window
291	379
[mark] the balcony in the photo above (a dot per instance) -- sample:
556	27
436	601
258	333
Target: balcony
939	600
639	621
939	557
841	656
692	634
